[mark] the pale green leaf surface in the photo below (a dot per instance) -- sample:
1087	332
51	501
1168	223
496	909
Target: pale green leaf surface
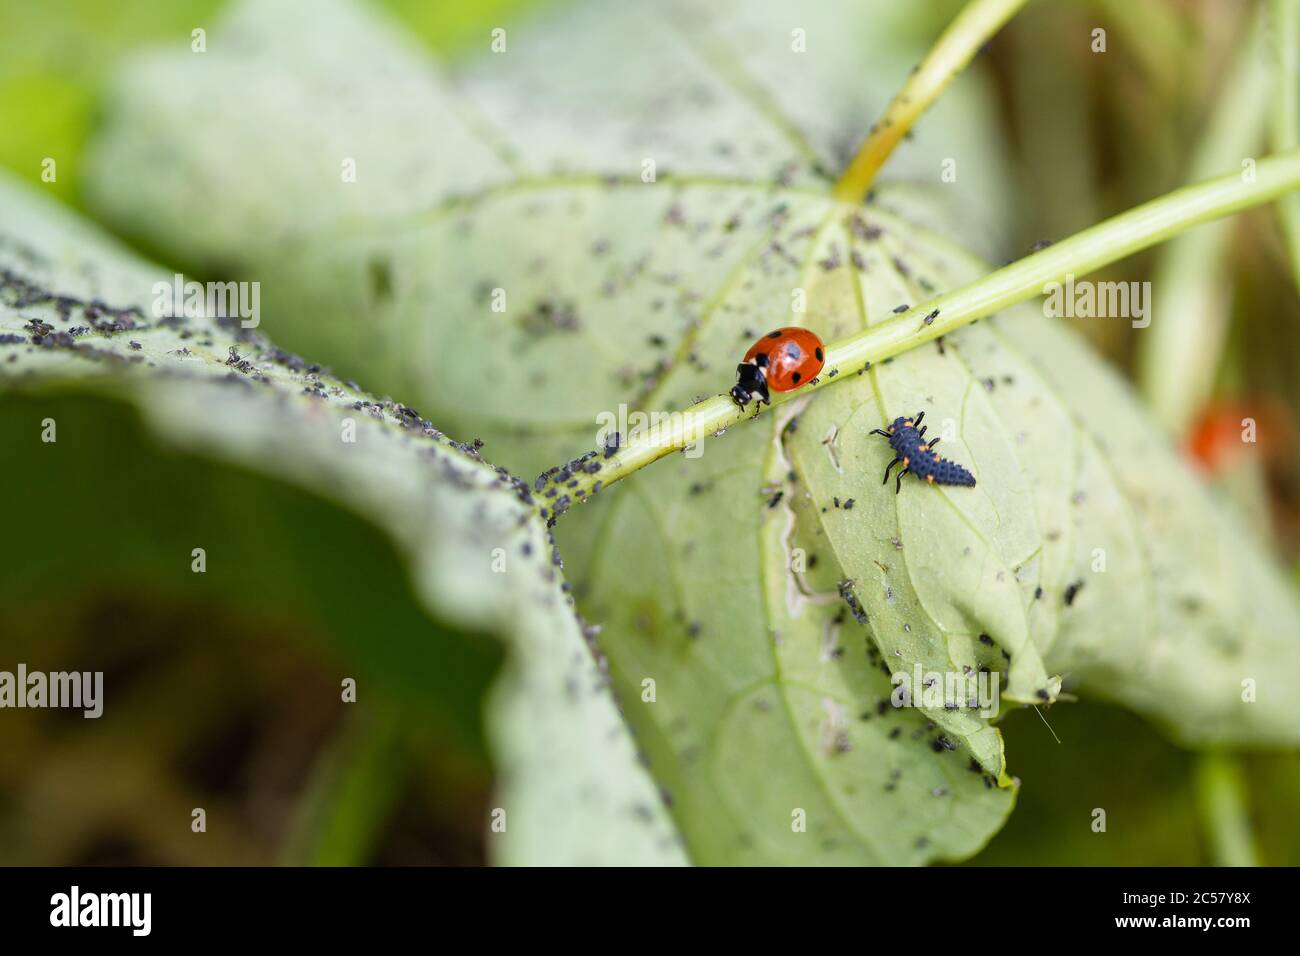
619	290
551	134
568	775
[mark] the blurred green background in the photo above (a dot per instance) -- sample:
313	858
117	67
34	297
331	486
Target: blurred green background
224	704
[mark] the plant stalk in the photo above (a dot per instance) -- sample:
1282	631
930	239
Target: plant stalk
1109	241
1181	353
967	33
1224	811
1286	113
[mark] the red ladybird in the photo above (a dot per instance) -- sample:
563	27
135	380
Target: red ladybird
781	360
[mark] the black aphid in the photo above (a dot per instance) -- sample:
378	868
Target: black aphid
851	599
907	438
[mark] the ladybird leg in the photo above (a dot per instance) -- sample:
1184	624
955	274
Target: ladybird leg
889	468
921	432
933	443
898	486
917	423
879	431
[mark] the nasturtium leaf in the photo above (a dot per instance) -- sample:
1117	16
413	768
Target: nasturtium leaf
78	318
526	273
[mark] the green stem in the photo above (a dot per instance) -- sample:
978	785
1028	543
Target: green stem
1221	802
1179	356
1107	242
353	789
969	31
1286	113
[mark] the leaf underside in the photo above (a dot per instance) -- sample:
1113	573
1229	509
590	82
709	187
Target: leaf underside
76	319
522	174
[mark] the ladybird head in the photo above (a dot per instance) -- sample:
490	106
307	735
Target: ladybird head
900	422
750	382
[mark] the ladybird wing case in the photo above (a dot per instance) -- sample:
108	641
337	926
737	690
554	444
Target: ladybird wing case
795	360
783	363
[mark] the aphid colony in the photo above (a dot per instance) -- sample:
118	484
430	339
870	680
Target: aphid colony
787	358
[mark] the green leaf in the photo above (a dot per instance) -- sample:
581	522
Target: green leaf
524	175
1151	594
517	173
54	57
80	335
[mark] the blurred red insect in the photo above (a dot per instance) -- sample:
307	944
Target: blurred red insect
1227	430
